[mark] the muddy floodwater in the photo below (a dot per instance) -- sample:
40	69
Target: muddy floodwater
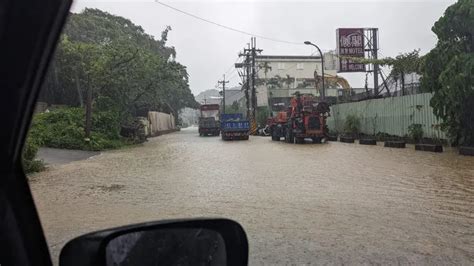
331	203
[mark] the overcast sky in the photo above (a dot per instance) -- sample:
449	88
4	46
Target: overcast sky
209	51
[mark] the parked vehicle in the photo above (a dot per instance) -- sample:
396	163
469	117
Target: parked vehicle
209	120
305	118
234	127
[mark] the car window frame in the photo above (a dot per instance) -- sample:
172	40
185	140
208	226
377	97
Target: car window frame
29	34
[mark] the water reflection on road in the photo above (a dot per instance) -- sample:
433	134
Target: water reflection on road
333	203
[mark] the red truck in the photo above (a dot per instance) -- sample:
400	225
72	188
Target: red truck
305	118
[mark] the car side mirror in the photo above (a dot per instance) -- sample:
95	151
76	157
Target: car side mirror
174	242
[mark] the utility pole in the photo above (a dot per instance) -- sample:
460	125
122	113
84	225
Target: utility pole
223	82
249	66
245	77
254	52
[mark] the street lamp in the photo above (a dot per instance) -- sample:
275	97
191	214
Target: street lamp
323	91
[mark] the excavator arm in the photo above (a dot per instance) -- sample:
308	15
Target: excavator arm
342	82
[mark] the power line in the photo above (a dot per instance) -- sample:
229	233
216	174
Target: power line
231	66
233	76
227	27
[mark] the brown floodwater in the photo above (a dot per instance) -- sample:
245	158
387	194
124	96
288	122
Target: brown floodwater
331	203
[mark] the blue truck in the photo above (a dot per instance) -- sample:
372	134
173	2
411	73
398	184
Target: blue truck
234	126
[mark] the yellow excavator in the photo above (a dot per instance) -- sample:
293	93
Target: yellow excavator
331	80
337	80
334	82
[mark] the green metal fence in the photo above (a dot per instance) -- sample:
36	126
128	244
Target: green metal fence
389	115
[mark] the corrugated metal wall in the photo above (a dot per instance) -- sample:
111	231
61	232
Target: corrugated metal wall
389	115
160	122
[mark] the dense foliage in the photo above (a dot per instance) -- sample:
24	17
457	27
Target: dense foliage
262	115
402	64
30	163
64	128
110	68
448	72
116	60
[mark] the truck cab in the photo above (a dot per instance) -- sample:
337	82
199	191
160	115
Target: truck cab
209	120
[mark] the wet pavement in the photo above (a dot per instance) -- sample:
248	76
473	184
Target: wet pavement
52	156
333	203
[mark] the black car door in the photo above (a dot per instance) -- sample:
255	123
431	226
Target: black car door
28	34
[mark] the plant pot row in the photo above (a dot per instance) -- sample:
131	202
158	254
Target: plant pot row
429	147
395	144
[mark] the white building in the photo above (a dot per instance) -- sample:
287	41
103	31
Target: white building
280	76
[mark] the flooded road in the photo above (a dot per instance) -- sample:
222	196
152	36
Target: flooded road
334	203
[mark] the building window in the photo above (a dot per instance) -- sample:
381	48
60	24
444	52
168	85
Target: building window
281	65
299	66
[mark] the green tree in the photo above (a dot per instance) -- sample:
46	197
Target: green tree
234	108
289	80
275	82
400	65
266	68
102	56
262	115
448	72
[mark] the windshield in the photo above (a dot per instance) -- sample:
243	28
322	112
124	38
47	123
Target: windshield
342	132
210	114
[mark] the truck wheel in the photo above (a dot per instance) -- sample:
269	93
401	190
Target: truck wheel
316	140
299	140
275	136
289	136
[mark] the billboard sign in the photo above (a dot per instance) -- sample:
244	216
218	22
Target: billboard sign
350	43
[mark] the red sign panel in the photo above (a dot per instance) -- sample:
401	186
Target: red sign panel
350	43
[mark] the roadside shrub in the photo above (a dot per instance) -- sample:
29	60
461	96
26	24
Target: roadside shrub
352	125
262	115
64	128
30	163
415	131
